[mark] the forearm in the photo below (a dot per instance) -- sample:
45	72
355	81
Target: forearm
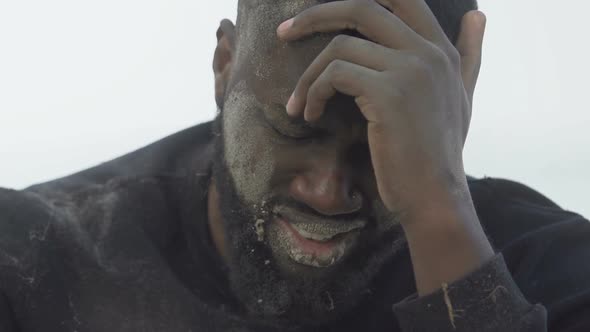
446	242
462	285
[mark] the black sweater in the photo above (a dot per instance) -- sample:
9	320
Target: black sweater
124	247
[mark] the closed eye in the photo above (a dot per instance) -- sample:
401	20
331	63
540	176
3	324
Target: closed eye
293	136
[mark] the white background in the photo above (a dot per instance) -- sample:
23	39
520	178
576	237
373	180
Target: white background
82	82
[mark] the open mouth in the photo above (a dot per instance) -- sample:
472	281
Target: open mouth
313	242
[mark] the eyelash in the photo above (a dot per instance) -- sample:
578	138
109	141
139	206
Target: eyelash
292	138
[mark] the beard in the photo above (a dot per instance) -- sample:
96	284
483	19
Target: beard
312	297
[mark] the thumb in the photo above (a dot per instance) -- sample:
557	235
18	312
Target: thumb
469	45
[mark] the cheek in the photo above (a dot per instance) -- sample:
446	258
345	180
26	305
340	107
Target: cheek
248	148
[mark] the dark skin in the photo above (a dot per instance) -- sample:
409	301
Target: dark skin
414	90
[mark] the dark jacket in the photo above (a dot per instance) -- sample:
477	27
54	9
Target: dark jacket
124	247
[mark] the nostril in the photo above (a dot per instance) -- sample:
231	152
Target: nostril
338	205
328	191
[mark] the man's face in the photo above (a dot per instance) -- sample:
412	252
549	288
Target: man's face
306	226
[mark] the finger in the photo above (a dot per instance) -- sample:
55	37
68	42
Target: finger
469	45
367	17
340	76
347	48
419	17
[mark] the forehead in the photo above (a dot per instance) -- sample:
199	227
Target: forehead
272	10
270	66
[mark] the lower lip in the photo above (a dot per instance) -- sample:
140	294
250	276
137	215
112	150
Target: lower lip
316	253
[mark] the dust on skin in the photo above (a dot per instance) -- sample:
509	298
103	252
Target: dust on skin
274	63
258	48
251	33
243	156
259	227
265	71
258	167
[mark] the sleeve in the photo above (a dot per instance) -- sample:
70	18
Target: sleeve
540	282
487	300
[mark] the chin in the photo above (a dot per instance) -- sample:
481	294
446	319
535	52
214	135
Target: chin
276	285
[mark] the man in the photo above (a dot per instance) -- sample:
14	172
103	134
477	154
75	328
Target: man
328	195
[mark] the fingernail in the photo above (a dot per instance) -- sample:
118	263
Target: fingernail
290	105
282	29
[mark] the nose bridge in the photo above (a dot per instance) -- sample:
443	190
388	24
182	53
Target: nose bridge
329	178
327	186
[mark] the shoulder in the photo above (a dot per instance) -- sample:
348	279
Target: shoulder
24	219
546	248
509	209
48	241
34	226
27	228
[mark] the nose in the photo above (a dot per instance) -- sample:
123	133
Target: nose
327	190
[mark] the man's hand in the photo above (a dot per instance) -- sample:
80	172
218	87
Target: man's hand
415	89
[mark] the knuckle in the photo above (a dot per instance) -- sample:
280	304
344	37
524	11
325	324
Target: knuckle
336	71
438	57
318	91
421	69
306	21
312	92
339	44
335	67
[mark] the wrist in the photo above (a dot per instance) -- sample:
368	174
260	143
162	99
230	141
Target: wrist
439	204
446	241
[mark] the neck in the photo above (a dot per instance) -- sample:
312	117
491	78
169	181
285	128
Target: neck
215	222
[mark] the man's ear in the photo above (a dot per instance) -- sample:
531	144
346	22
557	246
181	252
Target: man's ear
223	58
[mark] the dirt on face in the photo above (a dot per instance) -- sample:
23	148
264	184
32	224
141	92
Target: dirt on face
258	166
265	72
267	61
